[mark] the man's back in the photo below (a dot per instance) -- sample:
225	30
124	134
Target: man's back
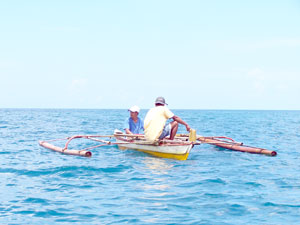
155	121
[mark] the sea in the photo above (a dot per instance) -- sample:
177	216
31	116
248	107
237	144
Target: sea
213	186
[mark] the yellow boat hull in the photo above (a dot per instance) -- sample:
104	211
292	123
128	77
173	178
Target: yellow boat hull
179	152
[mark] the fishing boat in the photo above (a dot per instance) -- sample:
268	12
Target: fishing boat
173	149
179	148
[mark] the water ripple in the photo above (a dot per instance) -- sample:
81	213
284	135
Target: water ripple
213	186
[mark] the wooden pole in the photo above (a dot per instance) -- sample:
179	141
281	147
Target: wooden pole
65	151
236	146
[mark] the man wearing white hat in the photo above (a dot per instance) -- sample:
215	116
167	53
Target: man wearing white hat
134	125
155	122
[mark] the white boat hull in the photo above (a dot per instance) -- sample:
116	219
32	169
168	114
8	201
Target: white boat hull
174	151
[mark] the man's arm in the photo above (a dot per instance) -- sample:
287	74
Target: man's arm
179	120
127	126
128	131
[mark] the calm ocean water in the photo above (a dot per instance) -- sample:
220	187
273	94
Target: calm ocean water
214	186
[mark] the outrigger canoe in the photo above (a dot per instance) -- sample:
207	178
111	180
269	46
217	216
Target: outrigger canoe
179	148
173	149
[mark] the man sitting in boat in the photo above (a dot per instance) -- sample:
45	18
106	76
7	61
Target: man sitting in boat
134	125
155	122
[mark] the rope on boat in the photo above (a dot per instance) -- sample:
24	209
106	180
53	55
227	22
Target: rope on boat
96	146
59	139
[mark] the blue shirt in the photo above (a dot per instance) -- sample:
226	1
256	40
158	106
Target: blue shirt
135	128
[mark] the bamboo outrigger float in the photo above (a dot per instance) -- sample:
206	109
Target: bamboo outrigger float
232	145
229	143
179	148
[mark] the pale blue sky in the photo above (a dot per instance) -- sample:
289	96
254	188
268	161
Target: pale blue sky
116	53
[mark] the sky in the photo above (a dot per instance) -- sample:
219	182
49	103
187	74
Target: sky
113	54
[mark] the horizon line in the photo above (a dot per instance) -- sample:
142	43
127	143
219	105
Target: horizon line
148	109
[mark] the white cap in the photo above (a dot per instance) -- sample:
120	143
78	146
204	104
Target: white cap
134	109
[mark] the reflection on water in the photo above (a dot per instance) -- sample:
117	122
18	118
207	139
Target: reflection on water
161	184
158	190
157	166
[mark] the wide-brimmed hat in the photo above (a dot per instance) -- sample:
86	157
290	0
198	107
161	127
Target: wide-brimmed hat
160	100
134	108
